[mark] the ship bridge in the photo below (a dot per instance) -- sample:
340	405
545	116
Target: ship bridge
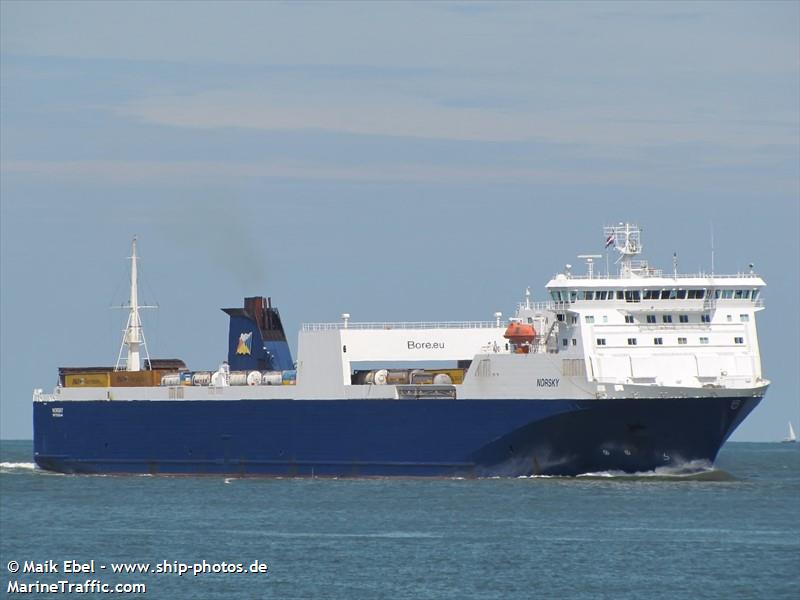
637	283
643	325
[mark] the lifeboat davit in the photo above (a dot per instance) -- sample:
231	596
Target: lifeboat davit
520	333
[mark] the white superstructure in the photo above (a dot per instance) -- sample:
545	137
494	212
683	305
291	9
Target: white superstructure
670	333
648	327
641	333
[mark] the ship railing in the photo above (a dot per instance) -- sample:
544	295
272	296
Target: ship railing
711	302
654	273
404	325
40	396
536	306
675	326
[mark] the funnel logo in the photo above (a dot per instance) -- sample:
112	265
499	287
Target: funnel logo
245	343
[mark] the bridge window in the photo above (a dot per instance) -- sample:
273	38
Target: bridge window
601	295
737	295
754	295
681	294
600	341
727	294
573	295
696	294
632	296
746	294
651	318
619	295
683	318
666	318
631	341
738	340
588	295
666	294
681	341
658	341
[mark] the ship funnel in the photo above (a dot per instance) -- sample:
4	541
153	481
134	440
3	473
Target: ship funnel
256	340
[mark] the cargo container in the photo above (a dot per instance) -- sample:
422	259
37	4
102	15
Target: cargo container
135	378
87	379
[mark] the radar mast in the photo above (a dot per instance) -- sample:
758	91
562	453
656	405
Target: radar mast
133	338
626	239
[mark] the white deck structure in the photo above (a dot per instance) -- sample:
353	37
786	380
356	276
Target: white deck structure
641	333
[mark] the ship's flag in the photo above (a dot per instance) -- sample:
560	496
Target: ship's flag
609	240
245	340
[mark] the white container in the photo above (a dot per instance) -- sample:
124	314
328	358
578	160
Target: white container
442	379
171	379
271	378
201	378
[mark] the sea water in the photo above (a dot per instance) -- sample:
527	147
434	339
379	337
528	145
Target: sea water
728	532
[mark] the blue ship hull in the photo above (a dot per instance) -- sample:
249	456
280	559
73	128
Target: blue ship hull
362	438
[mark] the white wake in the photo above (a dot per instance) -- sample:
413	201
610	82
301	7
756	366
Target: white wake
17	466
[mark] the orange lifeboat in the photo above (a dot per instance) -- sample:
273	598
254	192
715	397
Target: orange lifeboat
519	333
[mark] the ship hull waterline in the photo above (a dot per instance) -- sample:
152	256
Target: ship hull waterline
383	438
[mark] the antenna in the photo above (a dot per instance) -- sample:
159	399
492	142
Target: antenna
590	263
675	265
712	247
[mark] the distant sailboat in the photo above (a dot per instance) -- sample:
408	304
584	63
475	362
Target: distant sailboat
792	435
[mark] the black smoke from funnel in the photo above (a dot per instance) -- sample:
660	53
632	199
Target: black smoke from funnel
222	232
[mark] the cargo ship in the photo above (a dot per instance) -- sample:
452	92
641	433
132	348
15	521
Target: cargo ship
631	371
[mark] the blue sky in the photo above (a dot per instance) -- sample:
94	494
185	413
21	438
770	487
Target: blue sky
391	160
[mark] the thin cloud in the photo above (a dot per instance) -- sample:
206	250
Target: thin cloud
143	171
372	113
189	173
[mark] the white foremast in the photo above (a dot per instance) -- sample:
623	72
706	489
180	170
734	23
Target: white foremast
133	338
